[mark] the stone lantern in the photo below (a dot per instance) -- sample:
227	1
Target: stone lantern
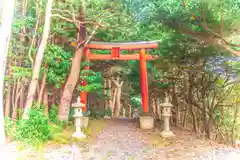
166	114
78	118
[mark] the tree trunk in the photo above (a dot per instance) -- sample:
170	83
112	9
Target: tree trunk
54	95
73	77
8	101
66	98
39	58
154	108
190	98
110	94
118	102
13	95
159	108
5	32
17	96
45	101
185	118
118	85
176	105
40	96
22	94
130	111
105	94
114	97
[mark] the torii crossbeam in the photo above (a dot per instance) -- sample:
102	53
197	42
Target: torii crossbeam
116	48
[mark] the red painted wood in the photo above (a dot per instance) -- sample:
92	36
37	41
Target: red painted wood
122	46
121	57
144	80
84	94
115	53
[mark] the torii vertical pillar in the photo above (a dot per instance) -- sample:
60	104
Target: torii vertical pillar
84	94
143	80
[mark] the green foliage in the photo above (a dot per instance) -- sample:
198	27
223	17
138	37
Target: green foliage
9	128
35	130
94	79
96	114
57	62
108	112
21	72
53	114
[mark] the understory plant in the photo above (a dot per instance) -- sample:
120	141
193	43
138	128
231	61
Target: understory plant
35	130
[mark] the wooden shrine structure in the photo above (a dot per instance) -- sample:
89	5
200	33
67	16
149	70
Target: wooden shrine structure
116	48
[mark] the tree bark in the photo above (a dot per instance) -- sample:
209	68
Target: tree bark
105	94
45	101
118	85
114	97
110	94
5	32
39	58
73	77
54	96
16	98
190	98
8	101
22	94
40	96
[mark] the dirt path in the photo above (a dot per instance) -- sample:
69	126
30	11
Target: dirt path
122	140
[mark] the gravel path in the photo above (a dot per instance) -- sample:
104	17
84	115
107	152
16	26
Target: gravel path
122	140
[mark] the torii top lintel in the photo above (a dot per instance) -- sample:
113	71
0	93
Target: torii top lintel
123	45
116	49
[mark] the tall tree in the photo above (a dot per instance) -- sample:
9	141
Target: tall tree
39	58
5	32
75	69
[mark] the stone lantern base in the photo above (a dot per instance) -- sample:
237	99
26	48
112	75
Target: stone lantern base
146	122
78	135
167	134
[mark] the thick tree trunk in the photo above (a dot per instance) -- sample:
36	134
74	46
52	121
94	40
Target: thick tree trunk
110	94
190	98
114	97
159	108
8	101
118	85
130	111
118	102
45	101
185	118
39	58
40	96
176	105
5	32
54	96
22	94
154	109
73	77
105	94
16	99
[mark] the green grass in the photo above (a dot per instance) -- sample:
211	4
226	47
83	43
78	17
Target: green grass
64	136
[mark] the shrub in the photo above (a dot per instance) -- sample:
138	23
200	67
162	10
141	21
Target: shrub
35	130
53	114
10	130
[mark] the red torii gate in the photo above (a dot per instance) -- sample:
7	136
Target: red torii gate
115	55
